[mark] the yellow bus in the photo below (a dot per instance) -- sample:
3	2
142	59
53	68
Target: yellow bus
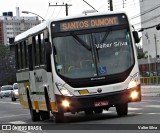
84	63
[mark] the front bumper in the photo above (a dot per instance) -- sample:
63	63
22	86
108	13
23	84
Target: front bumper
81	103
15	96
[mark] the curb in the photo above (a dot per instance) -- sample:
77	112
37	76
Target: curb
150	90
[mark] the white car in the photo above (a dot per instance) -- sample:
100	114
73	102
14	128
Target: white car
6	91
14	92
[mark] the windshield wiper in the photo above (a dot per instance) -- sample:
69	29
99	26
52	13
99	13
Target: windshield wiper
81	41
105	36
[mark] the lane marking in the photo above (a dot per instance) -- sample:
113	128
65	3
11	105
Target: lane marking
148	113
23	131
9	102
151	101
18	122
130	108
13	115
153	106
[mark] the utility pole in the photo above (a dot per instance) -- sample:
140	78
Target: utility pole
65	5
123	3
110	4
156	52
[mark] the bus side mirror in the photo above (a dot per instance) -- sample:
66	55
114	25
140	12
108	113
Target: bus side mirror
136	37
158	27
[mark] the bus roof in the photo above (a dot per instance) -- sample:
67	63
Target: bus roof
32	30
46	24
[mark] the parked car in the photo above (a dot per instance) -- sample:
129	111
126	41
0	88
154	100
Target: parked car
14	92
146	74
6	91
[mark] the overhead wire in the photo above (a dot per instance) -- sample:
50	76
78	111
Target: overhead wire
55	7
147	20
46	12
59	11
53	12
103	6
147	11
127	5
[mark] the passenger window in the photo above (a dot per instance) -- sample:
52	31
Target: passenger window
26	54
34	51
37	52
42	50
23	55
19	56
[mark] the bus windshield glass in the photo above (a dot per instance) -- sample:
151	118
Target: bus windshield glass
93	54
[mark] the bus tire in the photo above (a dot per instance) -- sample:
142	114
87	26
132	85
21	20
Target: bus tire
45	115
47	99
122	109
13	99
35	116
88	112
59	117
98	111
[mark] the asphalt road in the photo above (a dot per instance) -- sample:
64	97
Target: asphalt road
145	112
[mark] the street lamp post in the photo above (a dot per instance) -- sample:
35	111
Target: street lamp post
27	12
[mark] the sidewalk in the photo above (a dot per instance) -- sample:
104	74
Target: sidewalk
150	90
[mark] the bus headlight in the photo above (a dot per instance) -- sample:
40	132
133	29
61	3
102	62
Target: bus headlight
132	84
134	81
134	95
63	90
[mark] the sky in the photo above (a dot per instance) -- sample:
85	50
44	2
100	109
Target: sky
41	7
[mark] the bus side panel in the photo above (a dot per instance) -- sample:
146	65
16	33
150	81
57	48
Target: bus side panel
43	80
51	93
23	81
32	91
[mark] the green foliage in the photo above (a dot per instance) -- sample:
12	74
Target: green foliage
7	65
3	51
142	55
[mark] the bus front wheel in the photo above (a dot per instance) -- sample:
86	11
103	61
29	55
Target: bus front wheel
45	115
98	111
59	117
88	112
122	109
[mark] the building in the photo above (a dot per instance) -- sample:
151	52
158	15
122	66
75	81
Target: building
10	25
149	10
1	33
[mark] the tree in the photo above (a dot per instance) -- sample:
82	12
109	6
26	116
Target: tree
3	51
142	55
7	65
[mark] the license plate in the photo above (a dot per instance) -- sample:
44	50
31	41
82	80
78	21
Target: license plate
101	103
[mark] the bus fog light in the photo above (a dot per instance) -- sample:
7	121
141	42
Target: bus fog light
134	94
65	103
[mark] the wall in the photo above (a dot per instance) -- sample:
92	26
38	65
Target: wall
147	20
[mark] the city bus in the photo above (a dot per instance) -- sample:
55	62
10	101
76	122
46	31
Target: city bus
85	63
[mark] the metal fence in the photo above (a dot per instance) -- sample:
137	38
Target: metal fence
153	80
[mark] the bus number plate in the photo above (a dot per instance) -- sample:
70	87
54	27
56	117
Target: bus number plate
101	103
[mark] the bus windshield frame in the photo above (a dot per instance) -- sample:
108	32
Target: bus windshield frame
97	69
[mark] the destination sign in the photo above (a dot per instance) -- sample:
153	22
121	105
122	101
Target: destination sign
88	23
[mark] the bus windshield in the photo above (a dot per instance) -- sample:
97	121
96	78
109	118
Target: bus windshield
95	54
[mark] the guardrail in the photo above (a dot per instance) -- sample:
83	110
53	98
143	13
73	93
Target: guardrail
153	80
